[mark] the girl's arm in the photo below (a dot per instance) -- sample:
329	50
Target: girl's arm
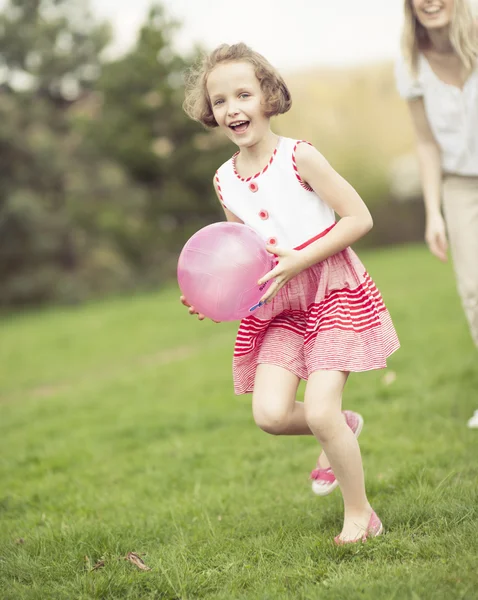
429	160
354	223
355	219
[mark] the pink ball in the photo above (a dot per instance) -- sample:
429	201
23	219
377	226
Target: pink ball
218	270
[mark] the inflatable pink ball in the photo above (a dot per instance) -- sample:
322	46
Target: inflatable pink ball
218	270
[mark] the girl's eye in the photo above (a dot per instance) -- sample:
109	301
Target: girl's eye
217	102
244	95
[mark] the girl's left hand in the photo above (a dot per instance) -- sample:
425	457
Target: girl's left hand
289	265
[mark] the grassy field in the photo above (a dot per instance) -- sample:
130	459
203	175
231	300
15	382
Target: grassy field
119	433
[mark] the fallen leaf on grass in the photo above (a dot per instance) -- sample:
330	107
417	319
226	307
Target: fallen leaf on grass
137	560
98	565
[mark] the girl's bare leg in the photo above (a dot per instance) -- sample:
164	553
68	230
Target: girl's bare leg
323	412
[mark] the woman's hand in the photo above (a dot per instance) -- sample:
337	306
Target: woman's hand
193	311
289	264
435	236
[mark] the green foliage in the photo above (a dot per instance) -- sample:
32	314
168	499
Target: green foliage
54	45
54	187
101	178
64	209
143	127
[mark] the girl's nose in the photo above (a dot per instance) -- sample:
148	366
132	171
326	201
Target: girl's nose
232	111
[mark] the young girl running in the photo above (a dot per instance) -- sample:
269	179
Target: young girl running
322	317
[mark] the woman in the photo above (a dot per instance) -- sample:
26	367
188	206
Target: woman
438	76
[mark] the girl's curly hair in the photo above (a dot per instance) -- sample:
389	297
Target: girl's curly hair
197	104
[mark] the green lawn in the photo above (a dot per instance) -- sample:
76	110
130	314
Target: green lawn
119	432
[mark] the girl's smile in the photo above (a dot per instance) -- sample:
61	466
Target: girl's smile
239	126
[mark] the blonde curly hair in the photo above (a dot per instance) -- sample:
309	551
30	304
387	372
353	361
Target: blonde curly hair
463	35
197	104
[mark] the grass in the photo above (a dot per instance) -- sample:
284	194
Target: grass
119	433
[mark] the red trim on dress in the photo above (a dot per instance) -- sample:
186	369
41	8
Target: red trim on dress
233	159
218	185
303	183
314	239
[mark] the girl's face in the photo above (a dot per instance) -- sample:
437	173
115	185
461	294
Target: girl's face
237	102
433	14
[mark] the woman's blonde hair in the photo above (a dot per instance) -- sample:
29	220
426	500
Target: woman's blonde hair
197	104
463	35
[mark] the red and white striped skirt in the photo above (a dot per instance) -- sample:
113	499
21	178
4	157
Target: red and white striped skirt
329	317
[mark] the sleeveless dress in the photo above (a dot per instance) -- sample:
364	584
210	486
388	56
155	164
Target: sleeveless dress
331	316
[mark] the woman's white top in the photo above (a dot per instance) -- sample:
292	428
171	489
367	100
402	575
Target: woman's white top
275	202
452	113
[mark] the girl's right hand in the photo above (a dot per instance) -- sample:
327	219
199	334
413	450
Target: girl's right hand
192	310
435	236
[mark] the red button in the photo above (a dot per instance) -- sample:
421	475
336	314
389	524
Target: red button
253	186
263	214
272	241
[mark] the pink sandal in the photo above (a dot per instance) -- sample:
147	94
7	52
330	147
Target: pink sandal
323	480
374	529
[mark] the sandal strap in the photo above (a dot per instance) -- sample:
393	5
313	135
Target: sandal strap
326	475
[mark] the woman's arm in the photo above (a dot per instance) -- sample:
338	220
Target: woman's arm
429	159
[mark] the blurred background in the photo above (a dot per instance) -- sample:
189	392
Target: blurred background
103	177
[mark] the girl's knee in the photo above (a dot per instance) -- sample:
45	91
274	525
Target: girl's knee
271	419
323	399
322	420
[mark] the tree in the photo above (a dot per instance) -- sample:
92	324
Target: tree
102	176
144	127
52	47
49	60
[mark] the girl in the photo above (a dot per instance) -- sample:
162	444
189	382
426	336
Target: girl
323	316
438	75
